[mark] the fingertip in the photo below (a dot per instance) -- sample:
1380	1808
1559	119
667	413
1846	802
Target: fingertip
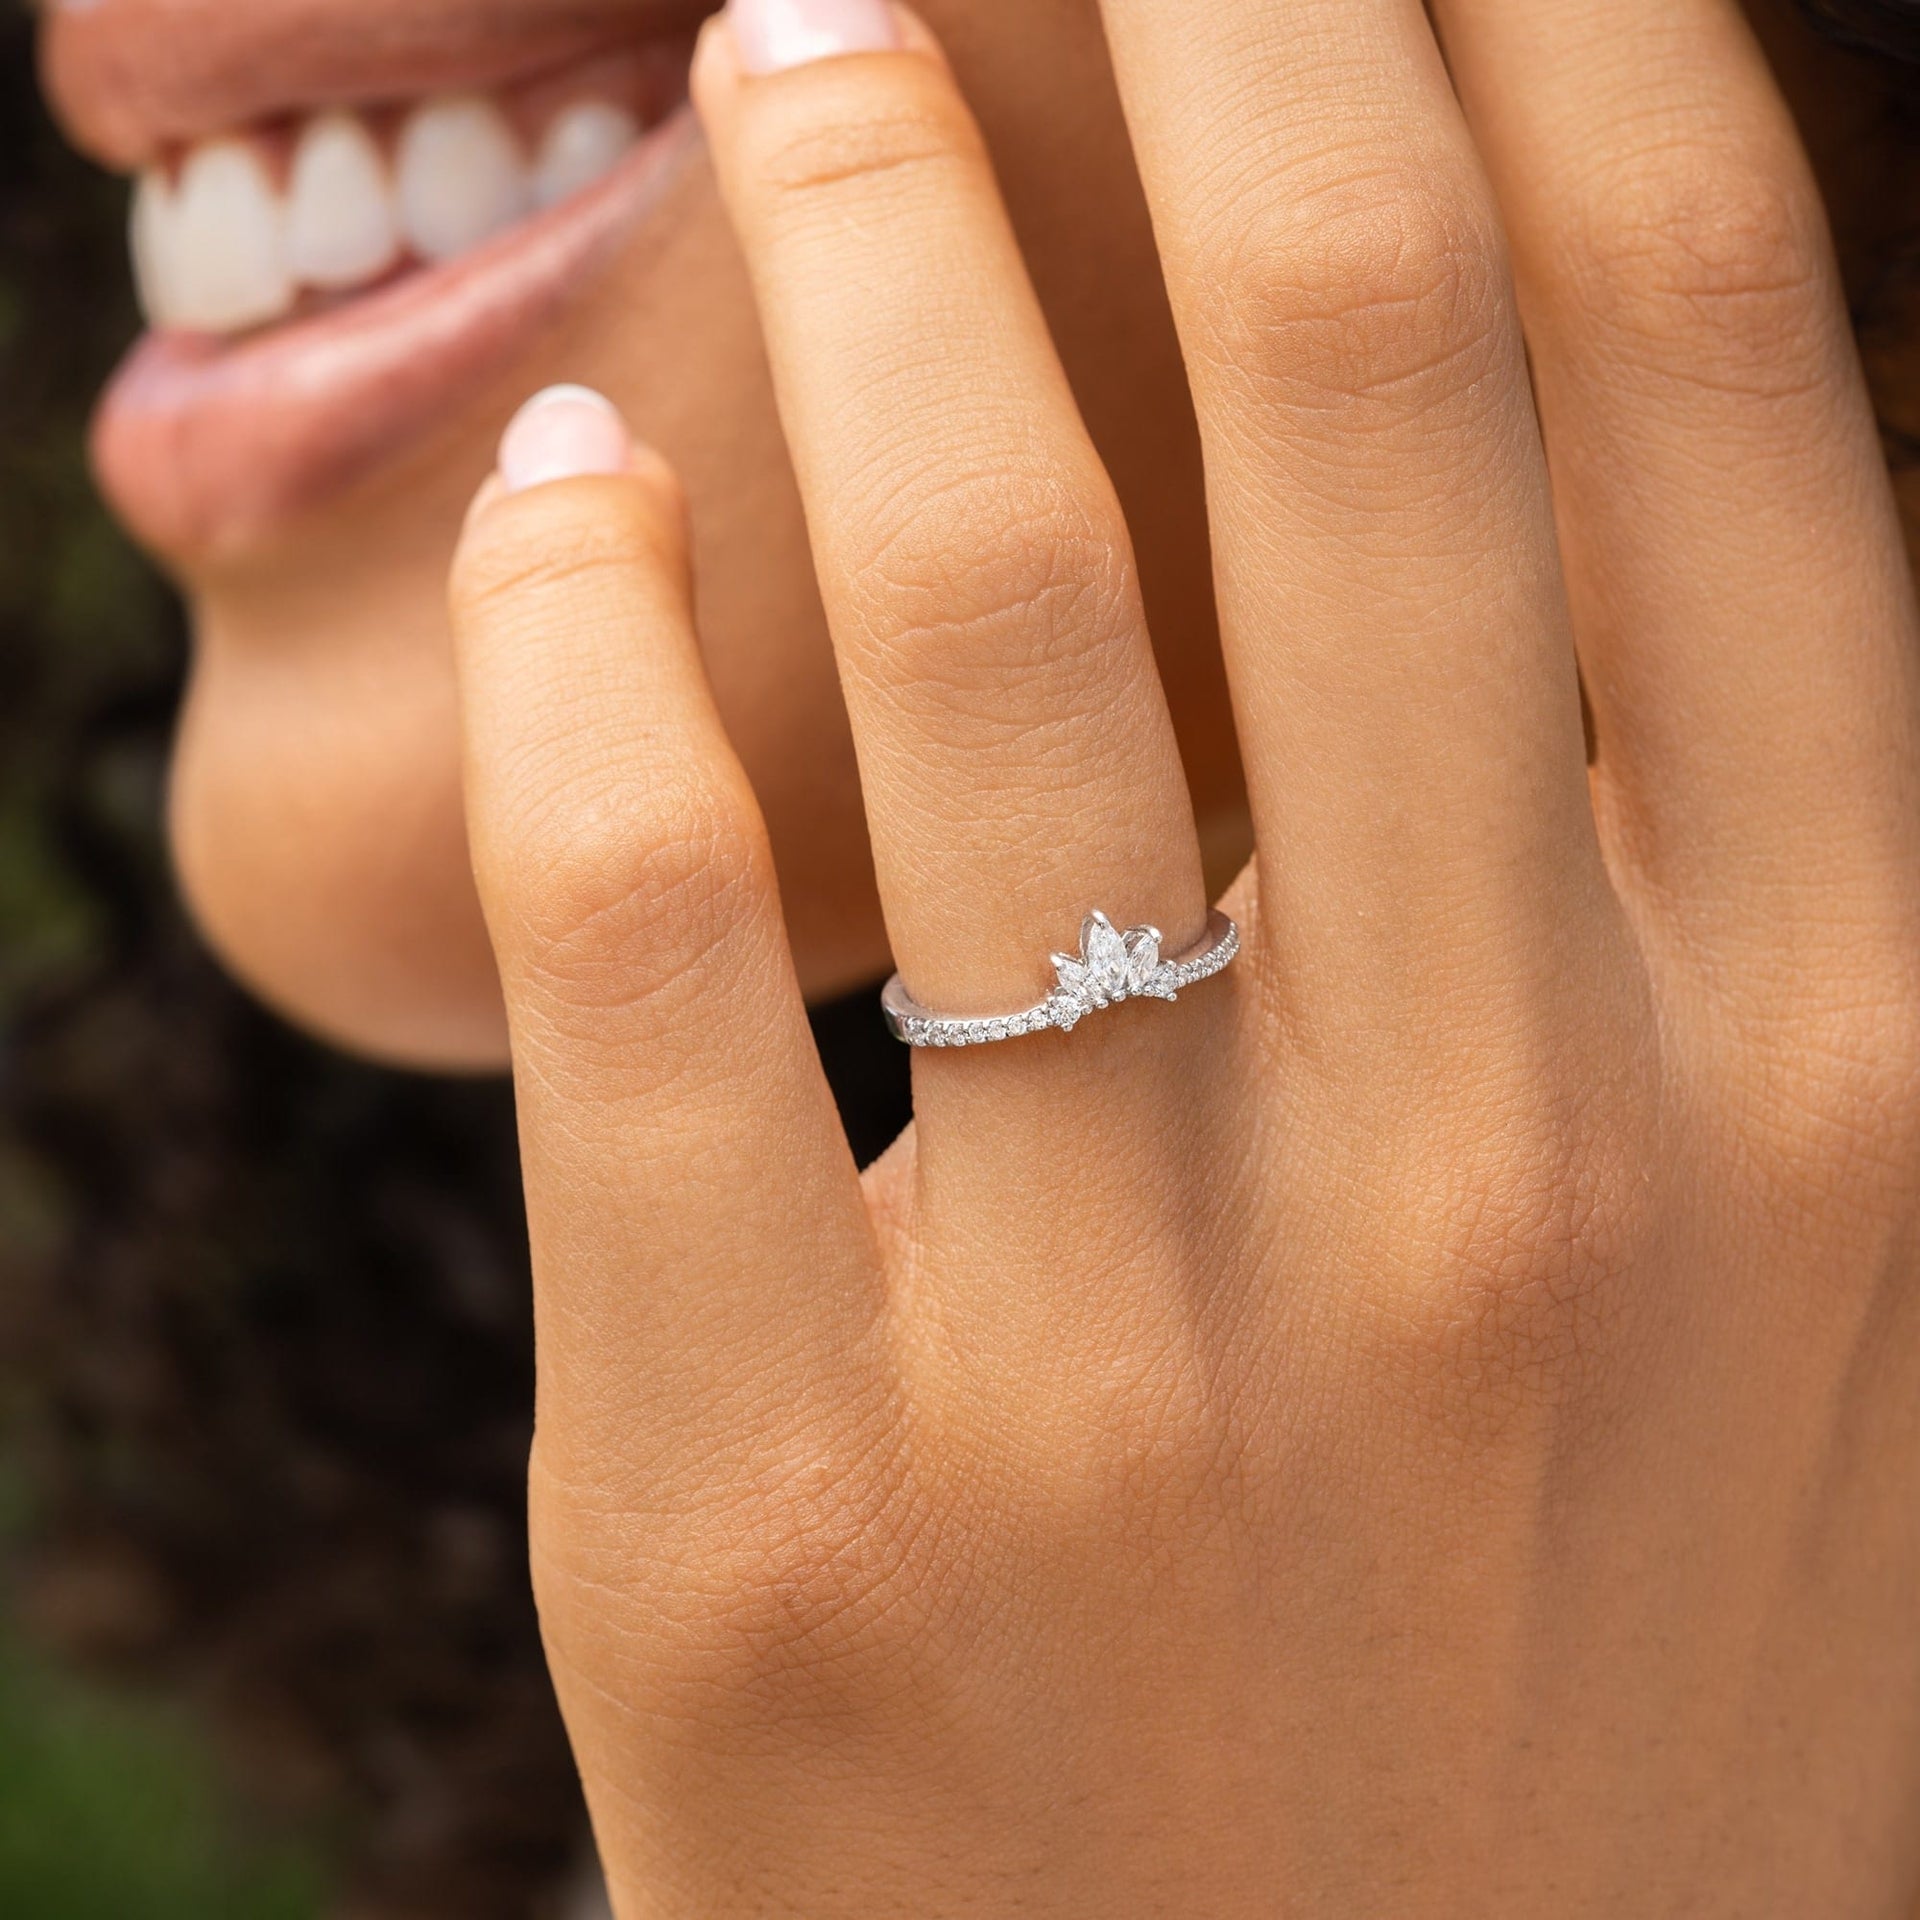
572	432
756	39
770	36
563	433
716	69
916	36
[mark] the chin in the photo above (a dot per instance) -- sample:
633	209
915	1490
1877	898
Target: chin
316	829
325	862
365	967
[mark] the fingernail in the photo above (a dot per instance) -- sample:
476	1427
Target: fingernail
561	434
770	35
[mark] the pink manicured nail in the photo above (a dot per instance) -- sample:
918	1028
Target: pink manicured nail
770	35
561	434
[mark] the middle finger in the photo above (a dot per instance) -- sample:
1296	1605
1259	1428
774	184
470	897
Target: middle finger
1393	613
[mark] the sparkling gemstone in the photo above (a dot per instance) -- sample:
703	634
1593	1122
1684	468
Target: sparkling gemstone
1143	958
1105	955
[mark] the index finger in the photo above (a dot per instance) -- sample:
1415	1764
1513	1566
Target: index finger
701	1248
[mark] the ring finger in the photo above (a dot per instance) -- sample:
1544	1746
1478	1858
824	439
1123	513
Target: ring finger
1019	761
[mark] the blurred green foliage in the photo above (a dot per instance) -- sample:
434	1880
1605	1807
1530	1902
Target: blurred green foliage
109	1812
265	1340
110	1806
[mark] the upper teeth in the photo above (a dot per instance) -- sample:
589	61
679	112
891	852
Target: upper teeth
341	226
221	248
460	177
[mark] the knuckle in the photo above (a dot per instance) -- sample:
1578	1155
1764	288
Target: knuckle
999	594
1714	247
795	1596
818	1584
1393	290
625	888
1512	1242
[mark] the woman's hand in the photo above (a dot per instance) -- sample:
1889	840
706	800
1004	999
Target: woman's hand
1429	1424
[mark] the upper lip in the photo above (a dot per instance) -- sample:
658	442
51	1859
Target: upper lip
131	78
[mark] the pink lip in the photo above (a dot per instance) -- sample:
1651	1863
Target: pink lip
129	78
205	445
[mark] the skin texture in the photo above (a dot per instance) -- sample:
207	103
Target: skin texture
1426	1425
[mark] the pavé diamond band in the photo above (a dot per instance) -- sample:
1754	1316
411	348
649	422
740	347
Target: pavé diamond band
1111	966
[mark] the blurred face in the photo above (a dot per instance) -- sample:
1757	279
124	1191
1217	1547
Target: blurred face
365	230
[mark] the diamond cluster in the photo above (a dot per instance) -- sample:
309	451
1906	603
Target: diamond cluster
1110	967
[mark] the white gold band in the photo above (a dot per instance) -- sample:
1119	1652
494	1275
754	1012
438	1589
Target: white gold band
1111	966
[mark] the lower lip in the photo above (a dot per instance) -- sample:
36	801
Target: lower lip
209	447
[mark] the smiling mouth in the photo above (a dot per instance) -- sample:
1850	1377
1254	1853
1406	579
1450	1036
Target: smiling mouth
329	276
242	230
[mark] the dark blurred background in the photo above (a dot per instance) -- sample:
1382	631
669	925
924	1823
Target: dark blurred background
267	1650
265	1644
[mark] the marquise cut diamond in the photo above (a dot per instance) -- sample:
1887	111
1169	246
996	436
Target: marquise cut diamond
1105	954
1111	966
1143	959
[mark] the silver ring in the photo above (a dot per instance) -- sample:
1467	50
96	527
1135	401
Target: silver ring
1111	966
